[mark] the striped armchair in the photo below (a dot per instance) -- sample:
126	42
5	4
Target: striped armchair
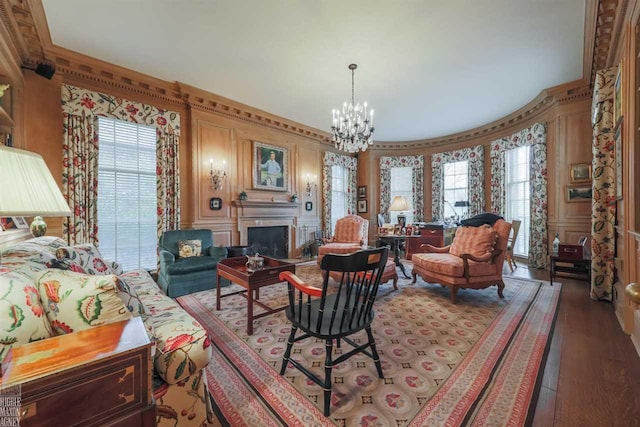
351	235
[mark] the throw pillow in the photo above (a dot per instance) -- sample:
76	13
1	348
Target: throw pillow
477	241
22	317
189	248
62	261
76	301
87	256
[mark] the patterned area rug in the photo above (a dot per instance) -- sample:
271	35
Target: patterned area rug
473	363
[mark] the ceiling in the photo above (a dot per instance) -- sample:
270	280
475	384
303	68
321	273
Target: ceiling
428	68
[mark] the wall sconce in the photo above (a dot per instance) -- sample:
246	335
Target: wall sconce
218	176
311	184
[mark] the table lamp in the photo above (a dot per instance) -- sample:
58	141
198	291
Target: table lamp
27	188
400	204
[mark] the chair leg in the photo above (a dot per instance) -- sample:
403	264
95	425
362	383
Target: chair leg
327	376
510	261
454	292
374	352
500	288
415	277
395	282
287	353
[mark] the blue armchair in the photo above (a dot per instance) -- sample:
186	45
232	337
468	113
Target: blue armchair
180	276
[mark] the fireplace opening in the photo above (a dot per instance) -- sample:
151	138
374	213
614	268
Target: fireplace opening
269	241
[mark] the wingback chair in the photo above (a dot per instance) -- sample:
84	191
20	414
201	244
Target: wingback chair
474	260
184	272
351	235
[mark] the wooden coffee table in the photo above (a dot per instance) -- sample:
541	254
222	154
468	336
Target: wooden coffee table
235	270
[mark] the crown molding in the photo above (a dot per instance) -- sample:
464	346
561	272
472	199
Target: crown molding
568	92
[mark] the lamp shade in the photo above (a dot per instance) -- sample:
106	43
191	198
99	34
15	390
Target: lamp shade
27	187
399	203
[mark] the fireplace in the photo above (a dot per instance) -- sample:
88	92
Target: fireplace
269	241
257	218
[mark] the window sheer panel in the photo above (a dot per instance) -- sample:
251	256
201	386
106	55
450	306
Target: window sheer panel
455	186
402	185
127	201
338	194
518	191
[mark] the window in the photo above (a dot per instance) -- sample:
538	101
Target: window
402	185
455	188
517	195
127	201
339	185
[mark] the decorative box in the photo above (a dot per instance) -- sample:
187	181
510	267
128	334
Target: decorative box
570	251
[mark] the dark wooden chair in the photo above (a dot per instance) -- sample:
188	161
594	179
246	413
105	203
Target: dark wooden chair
333	313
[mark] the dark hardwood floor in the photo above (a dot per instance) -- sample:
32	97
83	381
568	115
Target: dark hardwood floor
592	373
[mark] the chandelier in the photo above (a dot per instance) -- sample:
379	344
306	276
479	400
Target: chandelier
352	130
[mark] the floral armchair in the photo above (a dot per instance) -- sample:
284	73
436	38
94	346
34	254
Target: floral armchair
351	235
474	260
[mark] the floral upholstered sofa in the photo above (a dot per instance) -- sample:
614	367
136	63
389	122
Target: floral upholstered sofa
42	281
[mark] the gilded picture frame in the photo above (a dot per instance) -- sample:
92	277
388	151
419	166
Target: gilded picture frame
270	167
580	172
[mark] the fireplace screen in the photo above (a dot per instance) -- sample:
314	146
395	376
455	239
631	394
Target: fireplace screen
269	241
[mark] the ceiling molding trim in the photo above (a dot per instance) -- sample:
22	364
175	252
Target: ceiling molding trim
203	100
570	92
23	30
608	30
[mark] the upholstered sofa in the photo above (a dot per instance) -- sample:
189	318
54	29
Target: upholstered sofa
179	275
39	279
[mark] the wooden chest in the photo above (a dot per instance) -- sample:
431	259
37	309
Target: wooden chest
436	235
100	376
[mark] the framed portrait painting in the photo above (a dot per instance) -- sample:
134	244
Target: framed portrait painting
270	167
362	192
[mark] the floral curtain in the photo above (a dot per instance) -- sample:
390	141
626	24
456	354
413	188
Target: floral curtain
417	183
604	197
81	107
351	163
536	138
475	157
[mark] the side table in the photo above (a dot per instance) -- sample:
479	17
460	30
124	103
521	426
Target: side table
96	377
580	267
394	240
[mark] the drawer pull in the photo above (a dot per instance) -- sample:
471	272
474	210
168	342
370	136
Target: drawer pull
28	411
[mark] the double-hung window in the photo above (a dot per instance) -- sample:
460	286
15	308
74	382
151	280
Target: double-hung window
455	187
517	189
339	187
127	201
402	185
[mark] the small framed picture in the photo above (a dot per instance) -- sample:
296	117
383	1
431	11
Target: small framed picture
308	206
362	206
7	223
618	159
577	193
362	192
580	172
20	222
617	96
215	203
